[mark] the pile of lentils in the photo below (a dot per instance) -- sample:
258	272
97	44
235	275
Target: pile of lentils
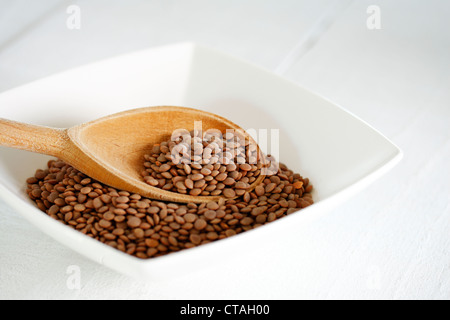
147	228
207	164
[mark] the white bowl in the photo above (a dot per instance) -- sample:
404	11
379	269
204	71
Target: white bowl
338	152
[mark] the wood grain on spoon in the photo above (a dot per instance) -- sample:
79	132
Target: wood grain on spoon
111	149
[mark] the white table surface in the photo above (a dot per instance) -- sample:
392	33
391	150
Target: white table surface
391	241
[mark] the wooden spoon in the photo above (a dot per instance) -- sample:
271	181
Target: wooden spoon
111	150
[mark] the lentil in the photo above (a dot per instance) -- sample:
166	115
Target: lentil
210	161
148	228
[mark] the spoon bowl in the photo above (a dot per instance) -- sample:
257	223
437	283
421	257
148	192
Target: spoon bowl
111	149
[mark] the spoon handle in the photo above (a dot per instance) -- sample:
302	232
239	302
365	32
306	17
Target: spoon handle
32	138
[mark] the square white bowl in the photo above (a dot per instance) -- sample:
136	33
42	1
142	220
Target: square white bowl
338	152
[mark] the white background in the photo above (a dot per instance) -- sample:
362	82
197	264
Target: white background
391	241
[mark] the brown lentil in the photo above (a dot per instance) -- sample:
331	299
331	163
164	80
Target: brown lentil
229	193
148	228
212	160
